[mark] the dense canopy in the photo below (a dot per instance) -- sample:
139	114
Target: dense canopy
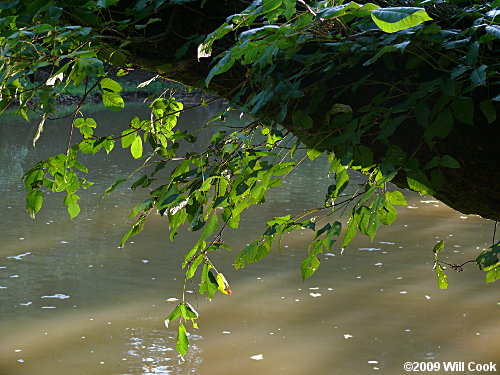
404	91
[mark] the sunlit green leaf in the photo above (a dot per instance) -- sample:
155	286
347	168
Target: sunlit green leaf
441	277
395	19
182	340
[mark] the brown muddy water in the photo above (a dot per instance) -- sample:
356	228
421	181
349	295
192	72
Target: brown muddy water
72	302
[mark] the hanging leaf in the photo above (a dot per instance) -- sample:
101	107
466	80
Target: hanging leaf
182	340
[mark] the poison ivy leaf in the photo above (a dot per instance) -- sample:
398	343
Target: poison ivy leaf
493	30
488	110
418	181
478	76
34	201
493	275
441	277
395	197
210	227
136	147
71	201
110	189
463	110
449	162
438	247
395	19
112	100
182	340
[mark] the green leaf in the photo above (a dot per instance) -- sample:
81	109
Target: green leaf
441	277
449	162
250	254
463	110
182	340
493	275
194	266
110	189
34	201
493	30
488	110
71	201
308	266
112	100
270	5
395	19
128	137
210	227
438	247
396	197
302	119
418	182
352	229
108	84
478	76
136	147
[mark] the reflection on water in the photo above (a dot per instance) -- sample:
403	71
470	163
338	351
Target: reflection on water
72	302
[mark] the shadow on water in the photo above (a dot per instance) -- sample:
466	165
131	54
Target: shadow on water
72	302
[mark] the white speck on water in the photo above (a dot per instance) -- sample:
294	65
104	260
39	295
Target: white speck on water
145	261
464	217
297	300
329	254
172	299
457	246
2	267
21	238
64	242
372	362
101	363
382	289
226	332
399	278
109	323
48	307
427	297
403	292
90	265
20	360
413	207
369	248
358	277
477	333
20	256
387	243
257	357
26	303
314	288
314	295
348	336
83	337
379	264
330	288
407	330
431	201
3	287
58	296
259	278
17	350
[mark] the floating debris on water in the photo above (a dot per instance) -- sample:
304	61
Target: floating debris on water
48	307
257	357
3	287
314	295
379	264
372	362
26	303
431	201
348	336
20	256
387	243
226	332
314	288
172	299
369	248
427	297
145	261
14	276
58	296
64	242
403	292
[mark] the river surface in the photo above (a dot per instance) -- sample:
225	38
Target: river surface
73	302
